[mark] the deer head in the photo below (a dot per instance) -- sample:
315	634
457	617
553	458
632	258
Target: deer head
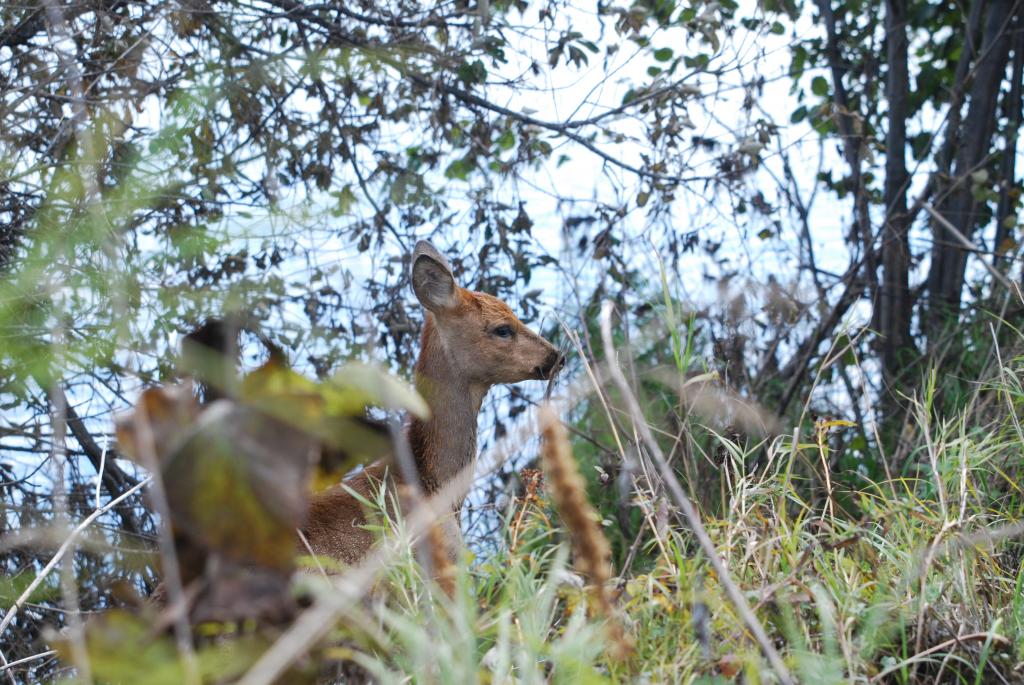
478	333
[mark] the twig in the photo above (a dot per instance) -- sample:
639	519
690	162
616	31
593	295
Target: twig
114	479
410	479
10	675
471	100
99	476
62	550
687	507
939	647
966	242
69	586
297	12
177	600
25	660
309	549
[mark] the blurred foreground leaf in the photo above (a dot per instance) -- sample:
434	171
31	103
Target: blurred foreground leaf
154	658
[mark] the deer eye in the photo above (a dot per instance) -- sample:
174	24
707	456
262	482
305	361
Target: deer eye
503	331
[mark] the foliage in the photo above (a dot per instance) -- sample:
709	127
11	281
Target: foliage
805	212
909	578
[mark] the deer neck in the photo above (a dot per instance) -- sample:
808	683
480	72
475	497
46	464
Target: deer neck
444	445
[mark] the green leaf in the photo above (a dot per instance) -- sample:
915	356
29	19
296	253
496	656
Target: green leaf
346	199
819	86
663	54
577	56
459	169
472	72
11	588
507	140
219	470
111	638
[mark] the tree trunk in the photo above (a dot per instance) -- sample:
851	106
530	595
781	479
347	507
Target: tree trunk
949	259
893	304
956	97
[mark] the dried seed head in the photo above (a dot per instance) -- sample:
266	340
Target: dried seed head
591	551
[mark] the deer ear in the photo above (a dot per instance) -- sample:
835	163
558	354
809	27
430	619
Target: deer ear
432	279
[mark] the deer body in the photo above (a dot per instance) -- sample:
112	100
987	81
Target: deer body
471	341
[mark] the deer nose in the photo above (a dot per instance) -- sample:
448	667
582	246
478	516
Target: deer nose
552	365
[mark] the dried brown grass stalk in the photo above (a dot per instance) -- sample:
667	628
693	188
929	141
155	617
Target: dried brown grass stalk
533	483
441	561
434	549
591	551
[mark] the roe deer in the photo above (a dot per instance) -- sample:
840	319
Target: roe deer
471	341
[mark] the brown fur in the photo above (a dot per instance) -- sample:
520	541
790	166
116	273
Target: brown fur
461	357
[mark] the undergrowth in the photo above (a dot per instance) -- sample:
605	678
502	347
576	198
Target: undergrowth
864	558
912	578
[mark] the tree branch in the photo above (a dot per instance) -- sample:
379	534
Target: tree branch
114	479
335	33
